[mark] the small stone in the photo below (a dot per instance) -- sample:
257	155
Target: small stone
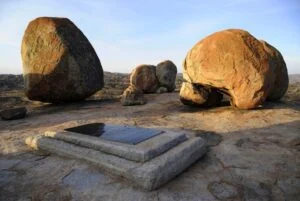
14	113
161	90
133	96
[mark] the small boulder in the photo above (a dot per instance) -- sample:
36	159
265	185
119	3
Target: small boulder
166	72
59	63
133	96
161	90
144	78
281	83
14	113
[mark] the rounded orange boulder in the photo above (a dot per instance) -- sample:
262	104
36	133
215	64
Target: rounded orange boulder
235	63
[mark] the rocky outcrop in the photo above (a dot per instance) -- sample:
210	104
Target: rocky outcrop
59	63
281	74
235	63
144	77
14	113
133	96
166	72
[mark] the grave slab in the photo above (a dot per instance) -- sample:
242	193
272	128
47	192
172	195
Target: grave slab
118	133
140	152
148	175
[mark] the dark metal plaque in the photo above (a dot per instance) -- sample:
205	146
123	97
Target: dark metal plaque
118	133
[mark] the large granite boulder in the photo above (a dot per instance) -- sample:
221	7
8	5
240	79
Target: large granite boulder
144	78
281	74
166	72
234	62
59	63
133	96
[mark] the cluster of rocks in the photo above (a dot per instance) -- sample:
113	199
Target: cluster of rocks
149	79
60	65
235	63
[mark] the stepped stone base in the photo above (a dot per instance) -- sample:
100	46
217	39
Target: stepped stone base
148	164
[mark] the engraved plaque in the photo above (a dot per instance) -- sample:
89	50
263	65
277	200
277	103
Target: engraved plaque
118	133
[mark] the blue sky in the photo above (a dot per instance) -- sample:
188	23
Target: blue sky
127	33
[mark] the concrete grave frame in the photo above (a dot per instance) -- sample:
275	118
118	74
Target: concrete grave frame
148	164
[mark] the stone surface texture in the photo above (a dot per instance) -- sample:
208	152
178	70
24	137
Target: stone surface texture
161	90
234	62
133	96
254	154
166	72
196	95
149	175
144	77
140	152
281	74
59	63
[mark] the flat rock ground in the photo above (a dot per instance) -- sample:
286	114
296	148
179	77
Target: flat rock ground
254	154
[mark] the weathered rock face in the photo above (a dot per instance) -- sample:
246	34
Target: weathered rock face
133	96
232	61
166	72
144	78
281	74
59	63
